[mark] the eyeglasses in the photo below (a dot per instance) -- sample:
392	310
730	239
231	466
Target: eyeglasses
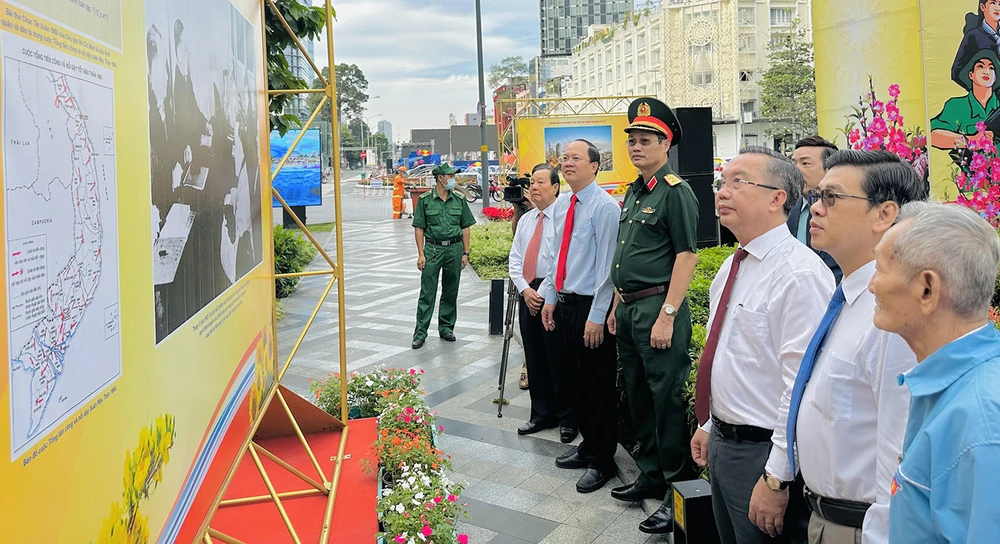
829	197
720	183
644	142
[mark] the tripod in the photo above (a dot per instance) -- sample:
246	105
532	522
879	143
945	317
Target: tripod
520	208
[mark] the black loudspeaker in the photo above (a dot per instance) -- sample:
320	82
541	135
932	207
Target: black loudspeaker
695	154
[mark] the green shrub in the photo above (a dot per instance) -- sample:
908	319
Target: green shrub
292	252
489	249
709	261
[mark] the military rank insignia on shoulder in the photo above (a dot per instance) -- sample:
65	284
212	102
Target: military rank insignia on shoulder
672	180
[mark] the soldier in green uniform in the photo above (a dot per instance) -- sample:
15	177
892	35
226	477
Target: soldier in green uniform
651	270
441	223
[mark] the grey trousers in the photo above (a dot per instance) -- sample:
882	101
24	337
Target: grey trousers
822	531
734	467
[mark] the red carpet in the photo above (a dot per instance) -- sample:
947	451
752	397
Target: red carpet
354	516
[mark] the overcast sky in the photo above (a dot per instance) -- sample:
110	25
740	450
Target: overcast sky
420	56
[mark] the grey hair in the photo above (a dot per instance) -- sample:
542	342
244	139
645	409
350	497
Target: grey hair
958	244
781	169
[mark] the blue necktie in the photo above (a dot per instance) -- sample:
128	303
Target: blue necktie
805	370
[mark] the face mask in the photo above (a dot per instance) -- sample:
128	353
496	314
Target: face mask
450	183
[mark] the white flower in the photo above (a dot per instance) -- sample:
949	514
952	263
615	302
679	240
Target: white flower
412	480
415	502
369	383
418	496
406	485
400	508
425	480
422	537
386	492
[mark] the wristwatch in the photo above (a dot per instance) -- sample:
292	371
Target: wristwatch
774	483
466	253
669	310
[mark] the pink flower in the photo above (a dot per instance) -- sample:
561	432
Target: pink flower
878	127
980	127
400	539
854	136
892	112
421	371
878	106
452	498
440	428
463	539
427	531
438	499
409	410
978	162
894	90
413	371
406	419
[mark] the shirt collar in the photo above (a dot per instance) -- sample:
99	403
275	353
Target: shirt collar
946	365
658	178
990	32
585	193
763	244
977	110
547	211
857	282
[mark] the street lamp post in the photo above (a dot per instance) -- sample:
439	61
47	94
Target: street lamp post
364	124
484	163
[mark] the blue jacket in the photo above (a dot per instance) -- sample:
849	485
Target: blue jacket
947	486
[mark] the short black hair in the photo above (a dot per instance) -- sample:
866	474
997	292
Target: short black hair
593	154
818	141
887	177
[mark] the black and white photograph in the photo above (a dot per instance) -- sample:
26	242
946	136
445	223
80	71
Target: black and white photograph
204	149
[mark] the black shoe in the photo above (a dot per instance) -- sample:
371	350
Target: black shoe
567	434
661	522
417	344
532	427
448	336
635	492
594	479
572	460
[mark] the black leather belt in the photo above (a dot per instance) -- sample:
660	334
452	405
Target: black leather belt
746	433
445	242
641	294
839	511
573	298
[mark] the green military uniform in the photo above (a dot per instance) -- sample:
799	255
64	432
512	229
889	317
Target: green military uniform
443	222
962	113
659	219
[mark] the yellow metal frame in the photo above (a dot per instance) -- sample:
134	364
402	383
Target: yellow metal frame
552	107
321	485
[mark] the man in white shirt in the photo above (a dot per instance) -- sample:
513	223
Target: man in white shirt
766	303
850	410
527	267
577	294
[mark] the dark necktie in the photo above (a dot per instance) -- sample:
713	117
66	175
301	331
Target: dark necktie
703	387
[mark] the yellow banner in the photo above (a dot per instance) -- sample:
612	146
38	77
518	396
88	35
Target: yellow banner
545	139
138	260
858	39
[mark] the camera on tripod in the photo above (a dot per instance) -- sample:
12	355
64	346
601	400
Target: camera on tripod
514	191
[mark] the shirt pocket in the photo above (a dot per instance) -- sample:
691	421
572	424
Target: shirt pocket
650	229
835	395
433	216
748	341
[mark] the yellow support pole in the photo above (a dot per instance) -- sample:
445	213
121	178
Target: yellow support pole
274	496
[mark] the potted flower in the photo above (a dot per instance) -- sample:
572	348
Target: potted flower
421	508
977	175
879	125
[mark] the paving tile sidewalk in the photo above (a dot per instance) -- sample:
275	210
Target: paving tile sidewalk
514	490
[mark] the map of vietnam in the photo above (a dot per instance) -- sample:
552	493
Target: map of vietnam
72	292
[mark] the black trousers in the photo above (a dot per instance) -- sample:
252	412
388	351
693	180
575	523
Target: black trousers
591	375
734	467
551	400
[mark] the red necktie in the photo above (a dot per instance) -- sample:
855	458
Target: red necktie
703	387
564	248
530	271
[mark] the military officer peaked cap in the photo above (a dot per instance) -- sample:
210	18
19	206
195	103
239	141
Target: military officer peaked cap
655	116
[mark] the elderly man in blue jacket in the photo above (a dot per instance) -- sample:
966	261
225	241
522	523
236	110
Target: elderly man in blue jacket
935	276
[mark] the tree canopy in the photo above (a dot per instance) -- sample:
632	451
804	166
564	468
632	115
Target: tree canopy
788	88
307	23
508	71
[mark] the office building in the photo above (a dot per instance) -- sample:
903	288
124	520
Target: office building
692	53
565	22
299	66
385	127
